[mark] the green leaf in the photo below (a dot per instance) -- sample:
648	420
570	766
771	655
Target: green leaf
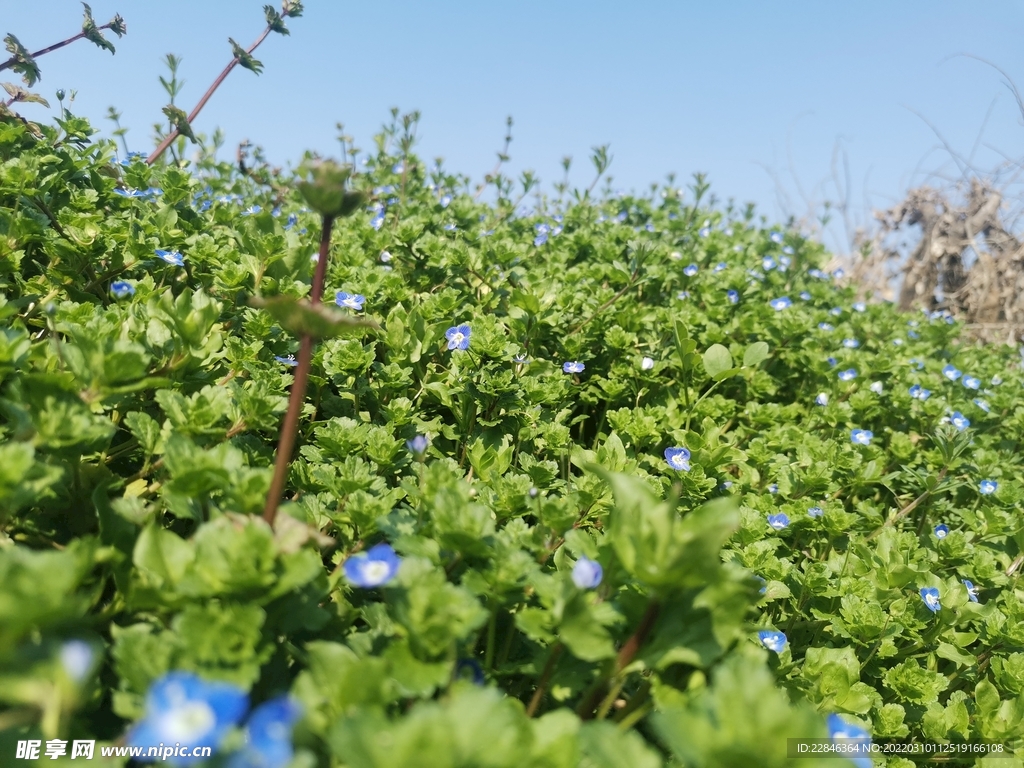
755	354
274	20
301	318
92	34
245	59
180	122
23	64
717	360
324	185
17	93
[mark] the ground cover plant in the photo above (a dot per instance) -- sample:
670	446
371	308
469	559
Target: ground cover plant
613	480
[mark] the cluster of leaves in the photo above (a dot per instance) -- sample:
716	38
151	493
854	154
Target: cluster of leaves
638	515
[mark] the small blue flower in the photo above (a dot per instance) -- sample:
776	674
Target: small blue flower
848	375
832	361
252	210
621	217
373	568
690	270
836	311
898	342
960	421
733	296
815	272
290	360
859	306
919	393
913	335
788	250
918	365
767	263
876	387
987	487
398	167
293	219
971	382
930	595
458	337
268	735
821	399
683	295
171	257
129	192
983	404
704	231
678	458
972	591
446	200
378	219
805	295
815	511
587	573
183	708
839	274
851	343
573	367
997	380
842	732
470	669
540	239
826	326
781	303
764	584
779	521
351	300
941	531
132	156
120	289
951	373
720	267
452	227
417	445
861	436
646	363
772	640
776	237
773	488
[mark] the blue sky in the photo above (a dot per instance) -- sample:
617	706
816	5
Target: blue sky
756	94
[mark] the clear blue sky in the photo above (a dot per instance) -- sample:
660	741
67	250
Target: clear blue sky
757	94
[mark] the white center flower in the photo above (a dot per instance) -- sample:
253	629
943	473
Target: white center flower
187	723
375	572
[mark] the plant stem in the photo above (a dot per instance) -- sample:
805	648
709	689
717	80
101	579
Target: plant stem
545	678
290	428
50	49
169	138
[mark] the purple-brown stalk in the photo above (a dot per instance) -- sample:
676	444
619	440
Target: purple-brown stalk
290	428
56	46
209	92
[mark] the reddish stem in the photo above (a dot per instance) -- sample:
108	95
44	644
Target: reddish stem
56	46
206	97
290	428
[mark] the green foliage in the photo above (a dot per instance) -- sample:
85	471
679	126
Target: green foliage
140	408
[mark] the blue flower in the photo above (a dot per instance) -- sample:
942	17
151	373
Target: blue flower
848	375
183	708
773	488
832	361
877	387
450	227
540	239
621	217
252	210
851	343
805	295
573	367
171	257
815	511
960	421
919	393
268	735
821	399
837	311
951	373
918	365
378	219
841	731
861	436
678	458
373	568
704	231
826	326
997	380
132	156
983	404
781	303
972	591
859	306
690	270
587	573
458	337
897	342
350	300
930	595
445	200
776	237
646	363
839	274
987	487
733	296
772	640
470	669
788	250
971	382
683	295
293	219
779	521
764	584
120	289
913	335
941	531
720	267
815	272
417	445
290	360
767	263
